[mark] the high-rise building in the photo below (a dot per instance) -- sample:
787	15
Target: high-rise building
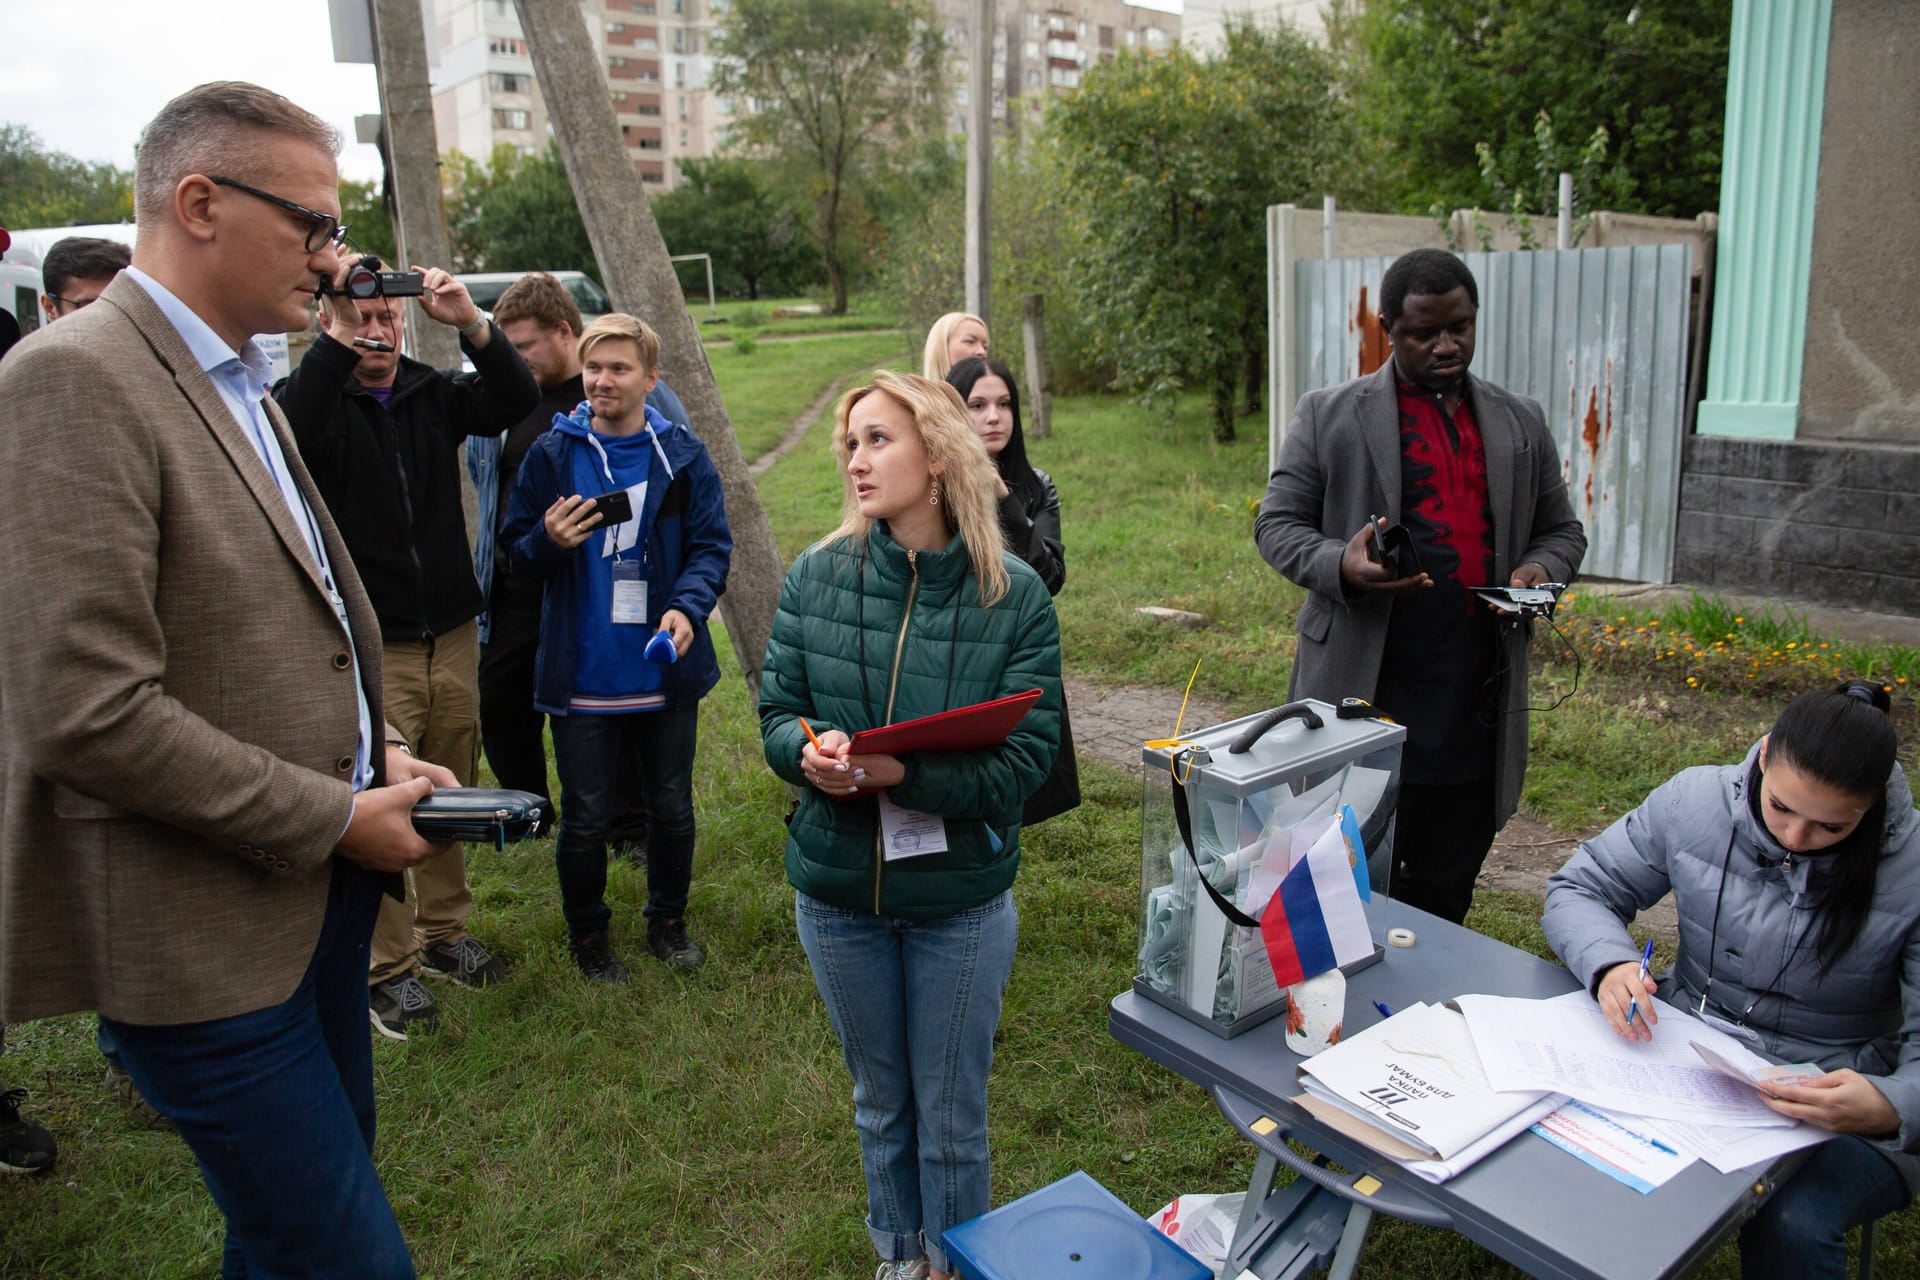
1205	30
1045	47
654	54
657	59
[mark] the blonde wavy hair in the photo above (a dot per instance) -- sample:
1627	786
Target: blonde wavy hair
933	359
969	482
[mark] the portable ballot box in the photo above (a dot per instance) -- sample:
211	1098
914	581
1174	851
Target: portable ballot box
1236	819
1071	1228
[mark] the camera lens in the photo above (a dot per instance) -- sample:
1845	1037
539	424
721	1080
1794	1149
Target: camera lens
362	283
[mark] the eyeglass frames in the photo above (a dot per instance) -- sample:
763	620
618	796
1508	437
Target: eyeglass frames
326	230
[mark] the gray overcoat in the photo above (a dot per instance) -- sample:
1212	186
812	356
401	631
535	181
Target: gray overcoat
1339	466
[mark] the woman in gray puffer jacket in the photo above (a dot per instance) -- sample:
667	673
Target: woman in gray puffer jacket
1796	875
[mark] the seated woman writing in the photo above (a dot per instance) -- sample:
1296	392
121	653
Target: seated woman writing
1796	875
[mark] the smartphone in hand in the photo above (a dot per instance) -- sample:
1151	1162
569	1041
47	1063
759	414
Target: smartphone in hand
613	507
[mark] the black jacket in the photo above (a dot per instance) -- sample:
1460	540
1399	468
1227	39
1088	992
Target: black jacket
391	476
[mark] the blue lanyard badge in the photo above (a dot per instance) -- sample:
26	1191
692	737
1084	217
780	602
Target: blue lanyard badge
629	593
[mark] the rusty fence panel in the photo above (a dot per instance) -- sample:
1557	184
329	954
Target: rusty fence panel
1597	336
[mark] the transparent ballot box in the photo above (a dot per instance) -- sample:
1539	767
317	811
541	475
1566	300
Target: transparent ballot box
1234	818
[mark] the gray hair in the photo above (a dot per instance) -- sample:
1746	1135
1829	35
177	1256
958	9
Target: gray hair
216	129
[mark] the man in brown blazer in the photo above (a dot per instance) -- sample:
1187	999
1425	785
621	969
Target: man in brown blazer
200	812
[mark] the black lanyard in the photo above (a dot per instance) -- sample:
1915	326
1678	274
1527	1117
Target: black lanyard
1713	949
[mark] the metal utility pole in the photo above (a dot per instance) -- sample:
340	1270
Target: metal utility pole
980	161
638	273
406	100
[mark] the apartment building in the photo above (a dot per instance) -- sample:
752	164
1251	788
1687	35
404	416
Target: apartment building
655	55
1045	48
1205	29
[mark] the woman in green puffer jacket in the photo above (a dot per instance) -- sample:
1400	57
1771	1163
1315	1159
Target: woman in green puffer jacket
911	607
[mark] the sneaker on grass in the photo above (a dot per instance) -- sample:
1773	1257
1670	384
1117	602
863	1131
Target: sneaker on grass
668	941
594	954
402	1007
24	1146
914	1270
467	962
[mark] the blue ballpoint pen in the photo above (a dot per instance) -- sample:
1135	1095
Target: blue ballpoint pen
1646	958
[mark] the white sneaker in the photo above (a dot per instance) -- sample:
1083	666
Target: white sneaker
915	1270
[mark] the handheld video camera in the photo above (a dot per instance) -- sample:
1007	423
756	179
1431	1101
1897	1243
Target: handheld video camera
366	279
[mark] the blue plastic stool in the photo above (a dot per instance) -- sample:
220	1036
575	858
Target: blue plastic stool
1070	1229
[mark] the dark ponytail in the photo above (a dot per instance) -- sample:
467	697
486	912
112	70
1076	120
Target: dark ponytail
1843	738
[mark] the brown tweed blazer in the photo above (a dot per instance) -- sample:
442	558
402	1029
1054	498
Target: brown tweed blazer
177	712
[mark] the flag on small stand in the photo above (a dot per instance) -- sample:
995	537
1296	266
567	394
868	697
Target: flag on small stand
1315	921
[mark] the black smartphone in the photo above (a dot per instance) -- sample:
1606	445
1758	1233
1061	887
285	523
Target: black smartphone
1393	547
613	507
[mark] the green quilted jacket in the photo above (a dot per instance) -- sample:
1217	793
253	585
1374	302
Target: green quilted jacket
869	634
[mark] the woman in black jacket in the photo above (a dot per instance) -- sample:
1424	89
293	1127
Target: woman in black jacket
1030	522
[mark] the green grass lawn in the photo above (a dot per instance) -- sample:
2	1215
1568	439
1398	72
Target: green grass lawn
701	1126
735	315
768	387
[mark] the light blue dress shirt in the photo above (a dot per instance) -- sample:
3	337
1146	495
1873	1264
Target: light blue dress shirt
242	380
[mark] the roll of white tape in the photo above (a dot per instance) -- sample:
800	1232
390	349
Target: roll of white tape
1399	937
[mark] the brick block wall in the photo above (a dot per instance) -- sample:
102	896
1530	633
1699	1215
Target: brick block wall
1832	523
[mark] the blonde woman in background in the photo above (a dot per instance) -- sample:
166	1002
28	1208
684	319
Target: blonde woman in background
955	336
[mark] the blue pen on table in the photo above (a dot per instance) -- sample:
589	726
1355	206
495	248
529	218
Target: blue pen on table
1384	1011
1633	1005
1661	1146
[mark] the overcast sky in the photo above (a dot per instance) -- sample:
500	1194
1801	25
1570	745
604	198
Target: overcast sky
86	75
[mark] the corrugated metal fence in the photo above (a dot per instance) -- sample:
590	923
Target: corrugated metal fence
1597	336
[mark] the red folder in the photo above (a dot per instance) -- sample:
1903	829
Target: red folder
984	724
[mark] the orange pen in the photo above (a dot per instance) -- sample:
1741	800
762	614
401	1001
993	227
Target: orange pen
809	731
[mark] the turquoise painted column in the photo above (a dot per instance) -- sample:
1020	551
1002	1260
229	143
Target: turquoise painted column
1776	88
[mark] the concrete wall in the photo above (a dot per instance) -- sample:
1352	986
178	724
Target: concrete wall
1860	381
1830	522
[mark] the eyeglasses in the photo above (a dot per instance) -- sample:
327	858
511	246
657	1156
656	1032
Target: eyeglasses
73	304
325	231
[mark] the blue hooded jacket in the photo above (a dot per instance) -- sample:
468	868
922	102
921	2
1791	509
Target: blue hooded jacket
689	548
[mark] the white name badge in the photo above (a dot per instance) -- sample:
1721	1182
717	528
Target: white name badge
908	833
629	594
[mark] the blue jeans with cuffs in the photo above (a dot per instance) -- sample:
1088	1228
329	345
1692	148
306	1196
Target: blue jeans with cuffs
915	1004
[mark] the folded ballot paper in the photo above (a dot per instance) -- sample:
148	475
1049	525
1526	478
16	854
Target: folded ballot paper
1412	1087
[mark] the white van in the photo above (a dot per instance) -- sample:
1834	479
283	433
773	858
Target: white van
22	287
485	287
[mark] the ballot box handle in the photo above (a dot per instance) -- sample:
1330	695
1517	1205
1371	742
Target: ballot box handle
1258	729
1270	1134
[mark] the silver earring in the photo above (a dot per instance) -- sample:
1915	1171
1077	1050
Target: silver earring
933	494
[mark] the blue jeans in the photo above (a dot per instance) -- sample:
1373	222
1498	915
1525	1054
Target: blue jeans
277	1107
587	751
1800	1231
915	1004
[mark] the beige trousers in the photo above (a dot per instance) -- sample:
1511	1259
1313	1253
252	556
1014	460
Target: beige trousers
432	693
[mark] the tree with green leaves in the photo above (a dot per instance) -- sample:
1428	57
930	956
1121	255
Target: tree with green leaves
1432	81
42	188
833	82
1169	164
368	218
514	213
727	208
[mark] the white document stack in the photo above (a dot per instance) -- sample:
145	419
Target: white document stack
1412	1087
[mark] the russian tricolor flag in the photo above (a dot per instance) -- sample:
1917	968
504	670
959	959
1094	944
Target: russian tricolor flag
1315	921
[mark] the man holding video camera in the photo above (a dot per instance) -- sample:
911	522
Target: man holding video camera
380	433
1398	496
